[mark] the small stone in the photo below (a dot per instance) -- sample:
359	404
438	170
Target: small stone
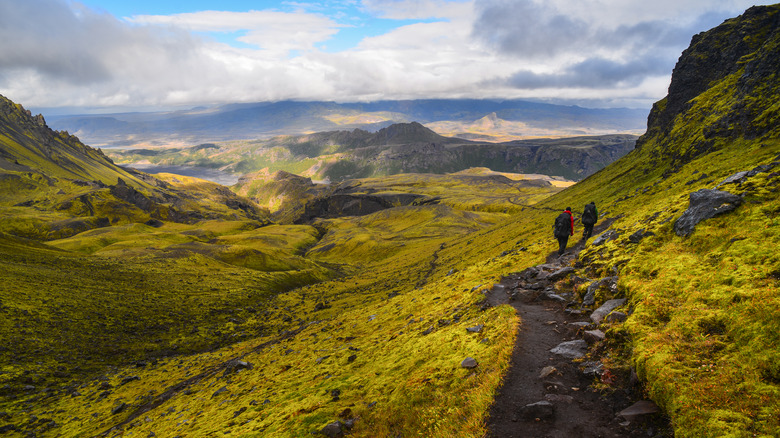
333	430
552	297
129	379
554	386
219	391
469	362
592	369
547	371
539	411
475	329
118	408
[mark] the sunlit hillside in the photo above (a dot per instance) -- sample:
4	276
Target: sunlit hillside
233	324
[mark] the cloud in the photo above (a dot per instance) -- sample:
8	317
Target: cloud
269	30
588	44
416	9
592	73
58	53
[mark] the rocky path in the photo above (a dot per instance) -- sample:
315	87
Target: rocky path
548	391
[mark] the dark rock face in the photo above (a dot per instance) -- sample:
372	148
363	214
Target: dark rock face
705	204
712	56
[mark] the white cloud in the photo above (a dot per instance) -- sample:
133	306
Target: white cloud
416	9
269	30
56	53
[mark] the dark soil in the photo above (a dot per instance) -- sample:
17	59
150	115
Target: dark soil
579	410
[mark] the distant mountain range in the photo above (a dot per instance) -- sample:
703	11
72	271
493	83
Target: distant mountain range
398	148
483	120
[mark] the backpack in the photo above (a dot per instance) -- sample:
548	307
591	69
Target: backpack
589	214
562	227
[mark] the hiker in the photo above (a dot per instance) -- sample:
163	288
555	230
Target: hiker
589	218
563	228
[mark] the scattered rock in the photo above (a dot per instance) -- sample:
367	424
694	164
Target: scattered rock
547	371
475	329
118	408
590	293
237	365
592	369
638	409
539	411
333	430
560	273
704	204
605	237
469	362
598	315
129	379
219	391
593	336
571	349
550	296
639	235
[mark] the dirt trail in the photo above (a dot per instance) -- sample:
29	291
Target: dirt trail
562	402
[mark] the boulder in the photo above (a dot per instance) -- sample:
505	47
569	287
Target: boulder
705	204
560	273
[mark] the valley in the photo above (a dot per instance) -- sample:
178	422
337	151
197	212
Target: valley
369	283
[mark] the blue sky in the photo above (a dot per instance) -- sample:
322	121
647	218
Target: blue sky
113	55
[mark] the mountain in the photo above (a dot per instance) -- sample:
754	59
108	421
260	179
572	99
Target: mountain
380	324
262	120
399	148
55	186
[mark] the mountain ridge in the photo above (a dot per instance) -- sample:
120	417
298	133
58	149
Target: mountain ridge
266	119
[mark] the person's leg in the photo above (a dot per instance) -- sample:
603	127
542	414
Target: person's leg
562	244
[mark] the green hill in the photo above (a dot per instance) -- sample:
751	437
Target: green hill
134	330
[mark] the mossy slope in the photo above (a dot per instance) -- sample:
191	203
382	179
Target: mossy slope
382	345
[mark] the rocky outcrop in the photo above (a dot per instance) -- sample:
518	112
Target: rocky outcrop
705	204
740	56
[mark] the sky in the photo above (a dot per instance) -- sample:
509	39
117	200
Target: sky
119	55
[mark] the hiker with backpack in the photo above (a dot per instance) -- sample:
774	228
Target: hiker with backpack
563	228
589	218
